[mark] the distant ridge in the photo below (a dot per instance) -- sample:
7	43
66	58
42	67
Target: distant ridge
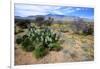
55	17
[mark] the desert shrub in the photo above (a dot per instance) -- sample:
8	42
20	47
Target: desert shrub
19	40
89	30
64	28
45	36
49	21
40	40
39	20
24	36
55	46
39	52
81	27
22	23
27	45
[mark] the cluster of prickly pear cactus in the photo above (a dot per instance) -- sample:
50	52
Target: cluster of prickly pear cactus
37	38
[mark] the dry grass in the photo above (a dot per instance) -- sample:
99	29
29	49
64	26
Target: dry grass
75	48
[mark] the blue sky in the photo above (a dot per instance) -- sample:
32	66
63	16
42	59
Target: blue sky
29	10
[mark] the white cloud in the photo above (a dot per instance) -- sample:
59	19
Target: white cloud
78	9
27	10
34	9
88	17
58	12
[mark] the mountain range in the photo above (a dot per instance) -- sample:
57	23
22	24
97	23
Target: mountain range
55	17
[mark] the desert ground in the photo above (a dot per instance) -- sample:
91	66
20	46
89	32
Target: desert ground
75	48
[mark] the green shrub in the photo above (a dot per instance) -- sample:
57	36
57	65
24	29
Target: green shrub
89	31
55	46
39	52
45	37
27	45
19	40
40	40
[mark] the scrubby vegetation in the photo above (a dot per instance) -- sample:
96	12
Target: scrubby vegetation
39	40
41	37
18	40
22	23
40	52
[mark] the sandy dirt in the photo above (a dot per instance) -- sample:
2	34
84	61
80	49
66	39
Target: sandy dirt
74	48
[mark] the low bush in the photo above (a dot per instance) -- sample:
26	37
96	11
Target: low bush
19	40
39	52
88	31
55	47
40	40
83	28
27	45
